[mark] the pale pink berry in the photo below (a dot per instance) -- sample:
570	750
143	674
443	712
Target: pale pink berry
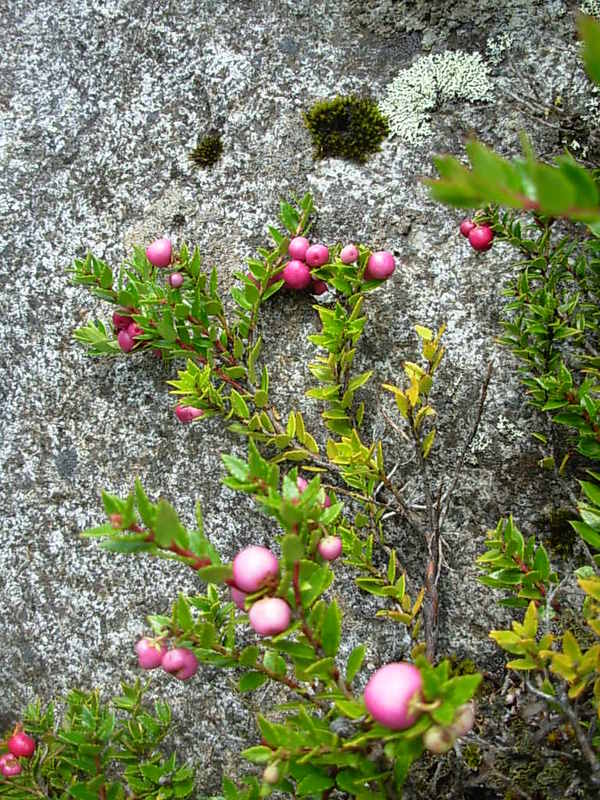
380	265
349	254
301	483
9	766
159	253
253	566
480	238
298	247
150	653
466	226
330	547
133	330
271	775
238	597
464	719
125	341
296	275
438	740
21	745
121	322
180	662
176	280
390	693
188	413
318	287
316	255
270	616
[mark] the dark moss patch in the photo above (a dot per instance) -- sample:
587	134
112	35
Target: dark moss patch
562	536
208	151
348	127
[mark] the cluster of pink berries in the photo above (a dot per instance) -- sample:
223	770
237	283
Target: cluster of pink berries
179	662
480	236
20	745
128	331
394	698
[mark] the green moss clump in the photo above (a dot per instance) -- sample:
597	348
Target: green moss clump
208	150
347	127
562	535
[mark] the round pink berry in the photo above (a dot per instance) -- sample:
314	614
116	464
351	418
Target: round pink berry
21	745
480	238
188	413
466	226
380	265
9	766
389	693
150	653
298	247
176	280
238	597
121	322
253	566
134	330
349	254
316	255
464	719
318	287
301	483
270	616
330	547
125	341
180	662
438	740
296	275
159	253
327	501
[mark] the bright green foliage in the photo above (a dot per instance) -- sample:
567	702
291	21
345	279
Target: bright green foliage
347	127
99	750
207	152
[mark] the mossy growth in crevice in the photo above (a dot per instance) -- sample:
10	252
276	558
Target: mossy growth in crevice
208	150
562	536
348	127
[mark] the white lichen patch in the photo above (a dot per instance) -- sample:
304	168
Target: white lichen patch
431	81
591	7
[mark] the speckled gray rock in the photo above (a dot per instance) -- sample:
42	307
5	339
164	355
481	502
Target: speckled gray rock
99	104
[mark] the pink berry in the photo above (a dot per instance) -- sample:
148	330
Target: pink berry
296	275
180	662
253	566
9	766
330	547
349	254
298	247
150	653
318	287
327	501
120	322
301	483
271	775
125	341
466	226
188	413
21	745
270	616
238	597
389	693
317	255
380	265
464	719
133	330
176	280
159	253
480	238
438	740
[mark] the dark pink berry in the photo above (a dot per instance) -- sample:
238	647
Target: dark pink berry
296	275
121	322
150	653
298	247
349	254
238	597
125	341
330	548
188	413
318	287
253	566
481	237
9	766
270	616
316	255
176	280
380	265
159	253
21	745
134	330
180	662
466	226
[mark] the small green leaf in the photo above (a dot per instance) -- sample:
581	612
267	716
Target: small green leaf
251	681
332	629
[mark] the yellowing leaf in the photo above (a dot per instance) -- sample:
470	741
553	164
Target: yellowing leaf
428	442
